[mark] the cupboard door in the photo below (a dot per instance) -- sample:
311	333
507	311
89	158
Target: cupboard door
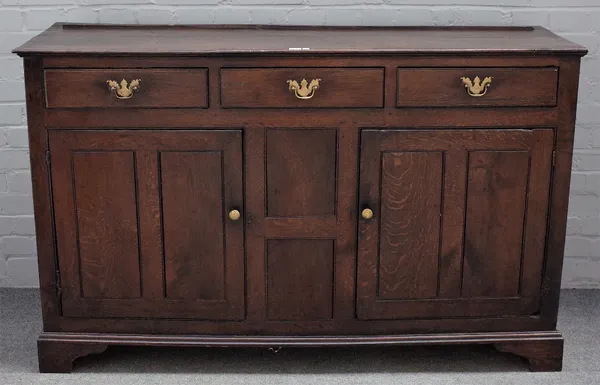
458	222
143	226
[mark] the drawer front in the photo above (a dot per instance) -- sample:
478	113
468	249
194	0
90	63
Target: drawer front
154	88
458	87
284	87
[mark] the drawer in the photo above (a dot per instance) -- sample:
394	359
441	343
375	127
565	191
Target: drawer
156	88
459	87
302	87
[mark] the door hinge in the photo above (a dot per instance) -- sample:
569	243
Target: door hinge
48	158
58	285
553	158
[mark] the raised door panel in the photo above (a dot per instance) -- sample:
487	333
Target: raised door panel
106	212
300	170
300	224
410	224
300	279
141	223
495	213
192	198
459	222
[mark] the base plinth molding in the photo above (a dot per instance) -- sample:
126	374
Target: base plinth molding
57	351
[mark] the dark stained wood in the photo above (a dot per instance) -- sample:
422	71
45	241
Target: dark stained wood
444	118
435	87
164	88
193	220
309	340
389	61
58	356
537	212
252	39
496	198
334	326
453	221
312	227
345	243
107	228
58	350
410	210
300	267
559	191
268	87
301	172
254	166
150	237
42	194
543	355
487	277
300	279
99	243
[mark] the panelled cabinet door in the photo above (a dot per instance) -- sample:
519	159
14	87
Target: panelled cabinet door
143	226
458	222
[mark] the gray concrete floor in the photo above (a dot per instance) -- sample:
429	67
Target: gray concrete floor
579	321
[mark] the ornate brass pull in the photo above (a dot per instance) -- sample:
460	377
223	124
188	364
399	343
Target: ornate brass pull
124	90
367	214
304	90
476	88
234	215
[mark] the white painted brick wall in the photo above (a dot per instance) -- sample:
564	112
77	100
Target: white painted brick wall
578	20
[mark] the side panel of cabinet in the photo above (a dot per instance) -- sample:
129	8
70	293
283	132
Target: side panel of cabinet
459	222
141	223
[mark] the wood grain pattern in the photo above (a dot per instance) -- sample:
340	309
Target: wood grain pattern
268	87
301	172
300	279
312	227
164	88
543	355
107	227
42	193
334	139
58	357
437	87
453	221
497	193
254	167
559	190
536	215
193	216
268	39
151	235
200	289
411	190
61	348
499	164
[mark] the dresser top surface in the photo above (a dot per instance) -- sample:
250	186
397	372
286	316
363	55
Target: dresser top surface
106	39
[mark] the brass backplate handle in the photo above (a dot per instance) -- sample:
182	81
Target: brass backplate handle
304	90
476	87
123	90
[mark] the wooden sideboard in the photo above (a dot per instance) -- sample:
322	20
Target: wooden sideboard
300	186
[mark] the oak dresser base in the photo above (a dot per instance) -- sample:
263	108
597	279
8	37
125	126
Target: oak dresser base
58	351
219	186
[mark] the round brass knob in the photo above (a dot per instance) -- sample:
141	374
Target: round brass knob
367	213
234	215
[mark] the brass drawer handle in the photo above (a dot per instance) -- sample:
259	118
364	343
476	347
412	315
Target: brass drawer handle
367	213
123	90
234	215
304	90
476	88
